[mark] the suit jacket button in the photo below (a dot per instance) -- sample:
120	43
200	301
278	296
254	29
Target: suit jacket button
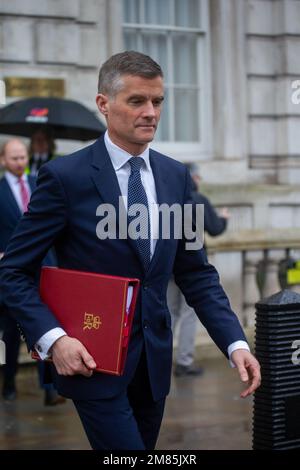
145	324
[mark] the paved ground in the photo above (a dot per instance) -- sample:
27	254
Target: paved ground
201	413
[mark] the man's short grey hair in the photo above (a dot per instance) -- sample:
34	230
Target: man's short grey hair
5	144
125	63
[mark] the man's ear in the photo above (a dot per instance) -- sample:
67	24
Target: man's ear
102	103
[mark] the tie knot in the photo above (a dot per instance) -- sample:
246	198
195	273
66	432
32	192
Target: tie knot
136	164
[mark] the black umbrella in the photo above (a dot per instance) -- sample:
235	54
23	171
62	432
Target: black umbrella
68	119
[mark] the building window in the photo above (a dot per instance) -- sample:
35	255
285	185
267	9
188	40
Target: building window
174	33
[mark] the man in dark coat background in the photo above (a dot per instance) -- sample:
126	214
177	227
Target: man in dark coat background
15	190
184	319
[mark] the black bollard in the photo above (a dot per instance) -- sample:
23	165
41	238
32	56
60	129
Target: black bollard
276	421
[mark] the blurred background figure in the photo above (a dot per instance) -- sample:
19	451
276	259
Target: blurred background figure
41	149
215	222
183	317
15	190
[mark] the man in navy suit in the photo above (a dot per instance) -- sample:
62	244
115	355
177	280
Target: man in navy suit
15	190
119	412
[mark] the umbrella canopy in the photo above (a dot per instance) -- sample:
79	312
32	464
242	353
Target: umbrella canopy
68	119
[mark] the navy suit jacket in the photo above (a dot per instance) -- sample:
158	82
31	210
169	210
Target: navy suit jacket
62	212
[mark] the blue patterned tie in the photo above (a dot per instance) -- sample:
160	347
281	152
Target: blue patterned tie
137	195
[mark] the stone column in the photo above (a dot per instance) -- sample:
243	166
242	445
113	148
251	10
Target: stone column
271	285
288	107
114	26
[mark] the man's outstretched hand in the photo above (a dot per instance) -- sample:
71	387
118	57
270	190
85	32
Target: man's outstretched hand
70	357
248	368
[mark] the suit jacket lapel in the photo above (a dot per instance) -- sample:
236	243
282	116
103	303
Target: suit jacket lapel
106	182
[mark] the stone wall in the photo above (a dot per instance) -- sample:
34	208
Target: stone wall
254	57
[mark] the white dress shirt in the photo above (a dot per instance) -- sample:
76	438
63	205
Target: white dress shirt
13	182
119	159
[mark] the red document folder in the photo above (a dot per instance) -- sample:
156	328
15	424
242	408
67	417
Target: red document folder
94	309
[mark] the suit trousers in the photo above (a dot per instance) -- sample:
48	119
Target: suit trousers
128	421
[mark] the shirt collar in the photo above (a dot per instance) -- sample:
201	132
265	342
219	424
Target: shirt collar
120	157
13	179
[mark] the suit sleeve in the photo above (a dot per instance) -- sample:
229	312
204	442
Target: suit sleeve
200	284
35	234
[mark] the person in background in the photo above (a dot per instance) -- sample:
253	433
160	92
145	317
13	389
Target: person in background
41	149
183	317
15	191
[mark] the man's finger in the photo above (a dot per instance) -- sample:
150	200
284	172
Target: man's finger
74	365
80	366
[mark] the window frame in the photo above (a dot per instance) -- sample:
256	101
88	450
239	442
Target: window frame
183	150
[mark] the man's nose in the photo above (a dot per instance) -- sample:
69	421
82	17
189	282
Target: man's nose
149	110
